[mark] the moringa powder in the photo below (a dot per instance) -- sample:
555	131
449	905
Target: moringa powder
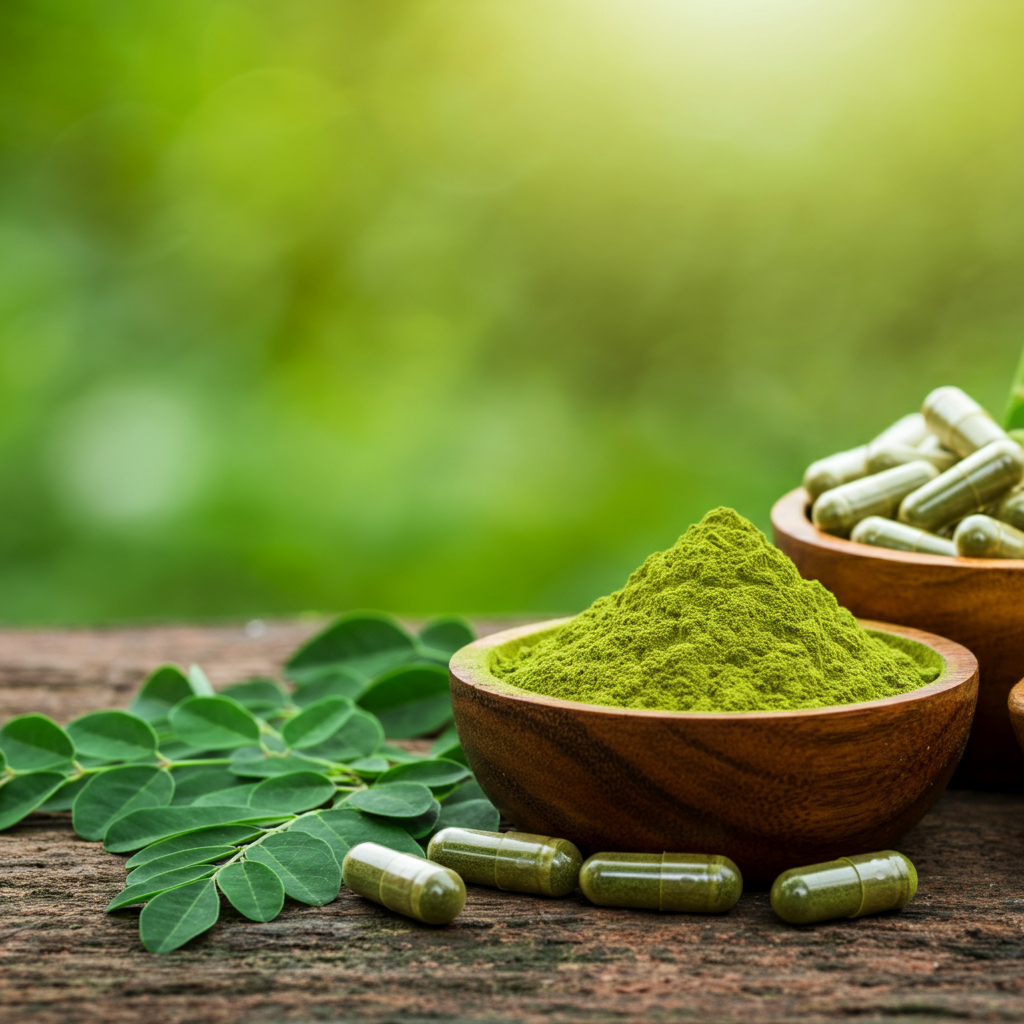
722	621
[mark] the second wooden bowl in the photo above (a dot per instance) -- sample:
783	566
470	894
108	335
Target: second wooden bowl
772	790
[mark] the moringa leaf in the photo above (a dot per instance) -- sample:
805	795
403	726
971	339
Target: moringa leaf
446	634
214	835
350	828
63	798
181	859
233	796
217	723
360	736
364	643
266	767
114	793
410	701
437	774
422	824
399	754
193	782
150	825
478	814
369	767
163	688
317	722
253	889
306	866
172	918
399	800
292	793
261	696
199	681
142	891
469	790
33	743
112	736
329	681
24	793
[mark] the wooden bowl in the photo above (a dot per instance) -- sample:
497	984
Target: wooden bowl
978	602
770	789
1015	704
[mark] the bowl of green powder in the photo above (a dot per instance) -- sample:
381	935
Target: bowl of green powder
717	703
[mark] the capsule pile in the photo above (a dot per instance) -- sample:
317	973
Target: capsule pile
945	481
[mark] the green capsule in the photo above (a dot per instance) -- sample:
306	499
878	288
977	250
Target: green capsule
887	456
516	861
886	533
843	467
959	422
968	486
984	537
869	883
1010	508
696	883
406	884
839	510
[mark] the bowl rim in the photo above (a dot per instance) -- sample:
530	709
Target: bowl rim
467	666
789	517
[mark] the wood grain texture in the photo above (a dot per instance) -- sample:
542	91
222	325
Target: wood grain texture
956	951
771	790
979	602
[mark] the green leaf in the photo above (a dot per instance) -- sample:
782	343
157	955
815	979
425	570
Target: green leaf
261	696
253	889
181	859
292	793
306	866
422	824
142	891
365	643
201	685
113	736
399	800
234	796
447	633
437	774
360	736
217	723
399	754
24	793
467	791
369	767
193	782
216	835
174	917
319	721
330	681
478	814
350	828
265	767
410	701
114	793
64	797
34	743
3	761
163	688
150	825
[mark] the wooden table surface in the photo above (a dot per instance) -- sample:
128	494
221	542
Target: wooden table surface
956	951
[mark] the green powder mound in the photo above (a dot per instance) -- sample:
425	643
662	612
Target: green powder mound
722	621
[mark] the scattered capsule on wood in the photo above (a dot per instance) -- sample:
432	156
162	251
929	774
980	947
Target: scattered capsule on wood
869	883
886	533
984	537
959	422
1010	508
843	467
839	510
689	882
516	861
406	884
966	487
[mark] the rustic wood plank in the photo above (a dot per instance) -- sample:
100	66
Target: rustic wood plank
957	950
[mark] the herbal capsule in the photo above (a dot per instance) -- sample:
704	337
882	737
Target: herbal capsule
969	485
984	537
843	467
839	510
516	861
849	887
406	884
885	533
1010	508
691	882
960	423
890	455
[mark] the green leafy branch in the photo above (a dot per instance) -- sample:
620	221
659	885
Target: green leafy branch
256	792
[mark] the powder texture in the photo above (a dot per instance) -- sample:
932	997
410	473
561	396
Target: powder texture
721	621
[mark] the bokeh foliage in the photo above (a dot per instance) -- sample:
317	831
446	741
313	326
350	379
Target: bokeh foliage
441	304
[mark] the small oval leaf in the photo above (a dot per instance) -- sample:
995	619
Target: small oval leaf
111	794
410	701
113	736
399	800
252	889
34	743
437	774
172	918
181	859
306	866
142	891
214	723
317	722
292	793
24	793
163	688
365	643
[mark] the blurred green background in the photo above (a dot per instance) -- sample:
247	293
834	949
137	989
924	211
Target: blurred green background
461	306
